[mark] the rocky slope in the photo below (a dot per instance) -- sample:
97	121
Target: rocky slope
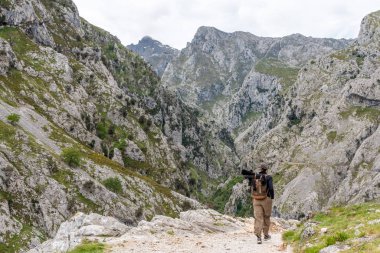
155	53
201	230
79	91
329	137
239	79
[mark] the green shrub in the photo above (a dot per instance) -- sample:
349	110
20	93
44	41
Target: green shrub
338	237
13	118
72	156
330	240
102	130
222	195
314	249
341	236
113	184
289	235
89	247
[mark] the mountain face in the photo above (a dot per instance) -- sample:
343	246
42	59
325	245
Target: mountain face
329	137
308	107
95	129
240	79
155	53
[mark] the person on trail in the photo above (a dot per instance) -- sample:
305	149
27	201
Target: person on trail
262	195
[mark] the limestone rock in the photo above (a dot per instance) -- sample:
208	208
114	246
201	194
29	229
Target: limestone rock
308	231
80	226
334	248
134	152
8	58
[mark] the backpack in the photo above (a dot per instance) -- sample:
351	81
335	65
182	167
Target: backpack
259	187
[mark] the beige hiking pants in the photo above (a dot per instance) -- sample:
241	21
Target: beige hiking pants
262	211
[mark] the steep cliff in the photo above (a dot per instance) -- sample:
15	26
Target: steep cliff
94	130
328	139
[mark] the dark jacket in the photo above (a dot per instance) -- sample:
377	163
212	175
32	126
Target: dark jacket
269	182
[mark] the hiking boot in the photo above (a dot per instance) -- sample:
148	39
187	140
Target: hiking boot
267	237
259	241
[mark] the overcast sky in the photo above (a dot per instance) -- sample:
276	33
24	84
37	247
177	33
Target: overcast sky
174	22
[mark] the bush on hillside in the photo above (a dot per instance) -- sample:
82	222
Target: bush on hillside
13	118
113	184
72	156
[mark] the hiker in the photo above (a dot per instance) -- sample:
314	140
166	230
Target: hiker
262	194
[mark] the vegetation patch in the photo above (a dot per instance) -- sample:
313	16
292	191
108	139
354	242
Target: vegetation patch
7	132
90	205
331	136
244	208
72	156
113	184
18	242
221	196
369	113
64	177
349	225
89	247
286	74
20	43
13	118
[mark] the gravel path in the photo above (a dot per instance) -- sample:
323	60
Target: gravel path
241	241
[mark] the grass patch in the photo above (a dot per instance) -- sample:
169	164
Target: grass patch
90	205
342	225
63	177
20	43
113	184
369	113
18	242
7	132
290	236
286	74
89	247
342	55
331	136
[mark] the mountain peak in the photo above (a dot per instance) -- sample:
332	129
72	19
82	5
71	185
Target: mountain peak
370	29
154	52
146	38
204	30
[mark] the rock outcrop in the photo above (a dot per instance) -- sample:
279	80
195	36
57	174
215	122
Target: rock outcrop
73	231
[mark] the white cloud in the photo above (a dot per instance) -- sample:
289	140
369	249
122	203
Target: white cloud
174	22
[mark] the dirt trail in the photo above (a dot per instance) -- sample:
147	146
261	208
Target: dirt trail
240	241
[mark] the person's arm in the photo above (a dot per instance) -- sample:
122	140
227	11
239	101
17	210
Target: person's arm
270	187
